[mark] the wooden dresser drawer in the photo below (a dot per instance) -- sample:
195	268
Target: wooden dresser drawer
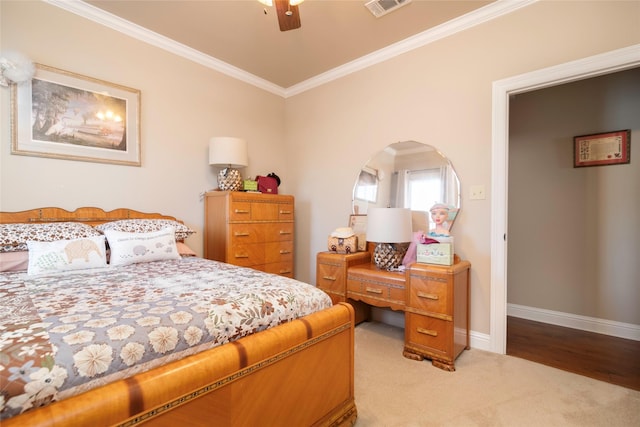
246	233
240	211
264	211
430	334
246	255
278	231
281	268
430	294
285	212
278	251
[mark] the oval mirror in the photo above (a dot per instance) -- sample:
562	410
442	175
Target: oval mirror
408	174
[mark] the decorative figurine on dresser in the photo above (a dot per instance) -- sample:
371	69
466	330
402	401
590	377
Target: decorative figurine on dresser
250	229
431	286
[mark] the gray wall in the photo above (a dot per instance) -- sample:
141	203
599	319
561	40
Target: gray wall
574	233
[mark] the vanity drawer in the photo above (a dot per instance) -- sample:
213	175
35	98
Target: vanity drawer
375	289
430	294
330	277
429	334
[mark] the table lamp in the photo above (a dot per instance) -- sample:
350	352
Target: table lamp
231	153
390	228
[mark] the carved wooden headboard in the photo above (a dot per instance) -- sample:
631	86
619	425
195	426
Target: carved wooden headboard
87	215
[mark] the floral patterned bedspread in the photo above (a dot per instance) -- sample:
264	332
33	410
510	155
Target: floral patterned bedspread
67	333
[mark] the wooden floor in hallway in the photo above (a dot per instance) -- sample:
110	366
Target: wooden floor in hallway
602	357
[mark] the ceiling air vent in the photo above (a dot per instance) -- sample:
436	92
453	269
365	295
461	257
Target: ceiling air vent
382	7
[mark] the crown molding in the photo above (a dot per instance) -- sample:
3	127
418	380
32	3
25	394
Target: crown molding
123	26
464	22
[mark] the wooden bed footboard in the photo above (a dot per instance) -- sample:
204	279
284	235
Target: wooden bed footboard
299	373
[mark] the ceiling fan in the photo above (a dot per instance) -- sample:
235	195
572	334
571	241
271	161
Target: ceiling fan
288	13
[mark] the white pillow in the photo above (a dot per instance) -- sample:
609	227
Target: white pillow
130	248
64	255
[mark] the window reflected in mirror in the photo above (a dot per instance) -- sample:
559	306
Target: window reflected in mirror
407	174
367	186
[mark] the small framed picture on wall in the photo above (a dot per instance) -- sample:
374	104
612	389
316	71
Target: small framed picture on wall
610	148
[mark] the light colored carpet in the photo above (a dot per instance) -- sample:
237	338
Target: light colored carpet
487	389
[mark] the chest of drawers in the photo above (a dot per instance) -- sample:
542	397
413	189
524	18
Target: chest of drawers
250	230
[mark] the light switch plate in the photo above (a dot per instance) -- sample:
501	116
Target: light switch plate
477	192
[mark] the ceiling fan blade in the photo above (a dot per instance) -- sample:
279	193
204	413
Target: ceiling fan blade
288	16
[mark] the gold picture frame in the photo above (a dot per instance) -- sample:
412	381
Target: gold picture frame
64	115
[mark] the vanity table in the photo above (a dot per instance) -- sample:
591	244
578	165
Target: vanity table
434	299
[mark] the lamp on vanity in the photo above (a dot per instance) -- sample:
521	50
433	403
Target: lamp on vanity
231	153
390	228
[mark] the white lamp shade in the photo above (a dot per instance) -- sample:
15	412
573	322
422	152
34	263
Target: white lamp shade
228	151
389	225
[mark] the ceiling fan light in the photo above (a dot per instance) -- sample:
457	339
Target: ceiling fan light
295	2
266	2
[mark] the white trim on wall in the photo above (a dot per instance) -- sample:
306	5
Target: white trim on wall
606	63
574	321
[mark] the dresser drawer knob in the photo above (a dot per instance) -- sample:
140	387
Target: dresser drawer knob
284	251
285	271
428	296
241	233
427	332
374	291
285	212
284	232
241	256
332	278
241	211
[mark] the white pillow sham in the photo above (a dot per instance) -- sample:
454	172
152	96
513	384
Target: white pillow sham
130	248
65	255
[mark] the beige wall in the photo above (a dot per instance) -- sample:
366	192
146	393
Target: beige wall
183	104
439	94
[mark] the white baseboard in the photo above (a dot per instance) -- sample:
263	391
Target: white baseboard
480	341
584	323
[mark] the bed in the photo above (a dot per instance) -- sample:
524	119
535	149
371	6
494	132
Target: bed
279	367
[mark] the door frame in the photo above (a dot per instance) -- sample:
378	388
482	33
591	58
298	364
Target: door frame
606	63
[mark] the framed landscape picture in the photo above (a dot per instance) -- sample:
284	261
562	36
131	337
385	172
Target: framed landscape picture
64	115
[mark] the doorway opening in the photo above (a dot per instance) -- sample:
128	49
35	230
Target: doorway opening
606	63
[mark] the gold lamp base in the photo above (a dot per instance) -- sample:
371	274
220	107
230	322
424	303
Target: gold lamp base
387	256
229	180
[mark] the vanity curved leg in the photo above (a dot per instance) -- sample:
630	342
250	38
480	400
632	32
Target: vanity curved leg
443	365
413	356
